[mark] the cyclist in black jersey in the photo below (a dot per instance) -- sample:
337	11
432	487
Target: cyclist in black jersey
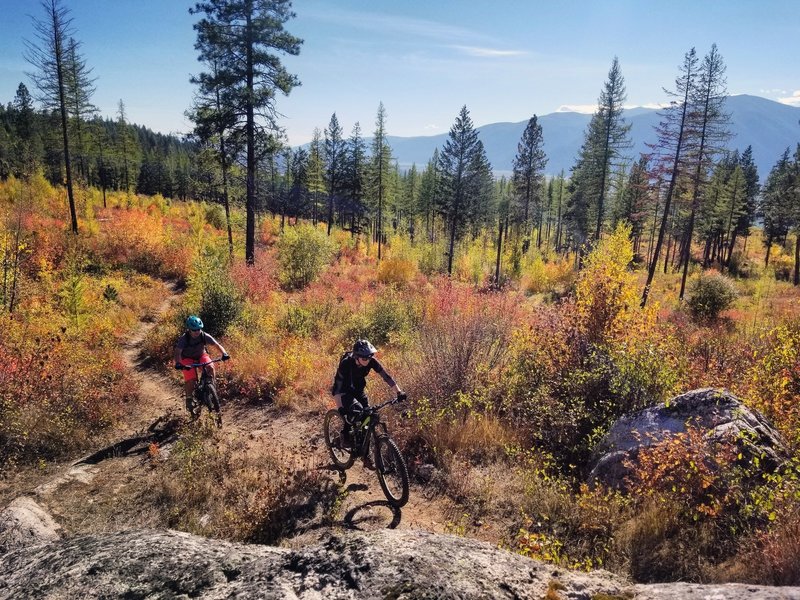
350	381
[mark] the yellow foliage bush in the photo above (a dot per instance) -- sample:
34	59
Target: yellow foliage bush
606	294
396	271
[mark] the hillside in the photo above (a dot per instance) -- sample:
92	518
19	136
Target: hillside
769	127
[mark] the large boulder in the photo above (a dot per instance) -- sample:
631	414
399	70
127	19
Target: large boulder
718	413
399	564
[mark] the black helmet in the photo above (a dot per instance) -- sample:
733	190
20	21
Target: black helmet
364	349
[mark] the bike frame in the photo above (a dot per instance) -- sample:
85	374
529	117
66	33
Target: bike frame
369	423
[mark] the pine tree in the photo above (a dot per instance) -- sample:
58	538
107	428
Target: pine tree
353	183
334	164
379	173
711	129
49	56
776	203
528	175
244	36
316	173
673	144
215	122
428	194
605	141
466	181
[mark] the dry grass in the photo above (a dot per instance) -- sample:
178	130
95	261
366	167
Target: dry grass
212	486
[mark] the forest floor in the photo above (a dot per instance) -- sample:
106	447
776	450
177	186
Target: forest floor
107	489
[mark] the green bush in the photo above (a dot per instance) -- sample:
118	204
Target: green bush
710	295
215	216
299	321
388	320
220	303
303	251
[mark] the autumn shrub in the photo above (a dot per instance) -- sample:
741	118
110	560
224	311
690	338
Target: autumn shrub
581	365
770	554
567	526
701	486
467	427
476	261
774	379
461	339
396	271
299	321
709	295
303	251
783	266
606	293
257	282
431	258
76	393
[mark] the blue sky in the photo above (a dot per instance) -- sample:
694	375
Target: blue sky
505	59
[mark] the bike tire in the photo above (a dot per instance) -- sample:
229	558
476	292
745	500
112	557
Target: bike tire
392	471
212	403
342	456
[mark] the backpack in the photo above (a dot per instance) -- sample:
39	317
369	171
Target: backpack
336	378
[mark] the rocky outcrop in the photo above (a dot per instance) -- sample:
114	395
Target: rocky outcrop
718	413
383	564
25	523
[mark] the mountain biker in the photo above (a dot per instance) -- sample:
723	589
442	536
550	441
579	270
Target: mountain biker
191	349
350	381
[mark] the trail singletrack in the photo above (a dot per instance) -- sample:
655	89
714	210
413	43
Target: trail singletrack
93	493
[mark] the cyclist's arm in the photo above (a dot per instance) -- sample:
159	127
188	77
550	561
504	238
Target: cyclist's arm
178	355
213	342
380	370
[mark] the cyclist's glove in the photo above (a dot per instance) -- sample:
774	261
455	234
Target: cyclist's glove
226	357
402	396
179	366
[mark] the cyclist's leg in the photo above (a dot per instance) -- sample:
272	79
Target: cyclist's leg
189	382
348	405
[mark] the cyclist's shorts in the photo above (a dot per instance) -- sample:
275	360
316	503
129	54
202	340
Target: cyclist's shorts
191	374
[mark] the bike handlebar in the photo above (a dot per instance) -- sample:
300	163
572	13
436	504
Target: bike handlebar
197	365
377	407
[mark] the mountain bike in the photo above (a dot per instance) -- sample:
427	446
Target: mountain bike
205	392
369	433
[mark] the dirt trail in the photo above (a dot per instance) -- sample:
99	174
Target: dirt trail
94	493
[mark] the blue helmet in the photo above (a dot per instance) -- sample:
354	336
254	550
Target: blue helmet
194	323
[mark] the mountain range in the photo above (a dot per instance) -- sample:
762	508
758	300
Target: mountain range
768	126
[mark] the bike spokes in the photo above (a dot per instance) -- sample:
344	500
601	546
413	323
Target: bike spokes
392	471
340	448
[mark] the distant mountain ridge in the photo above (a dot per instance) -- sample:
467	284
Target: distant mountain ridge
768	126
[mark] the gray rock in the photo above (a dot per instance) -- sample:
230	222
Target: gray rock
25	523
381	564
717	412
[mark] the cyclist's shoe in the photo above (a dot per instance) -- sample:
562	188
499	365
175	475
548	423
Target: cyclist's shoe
369	463
347	438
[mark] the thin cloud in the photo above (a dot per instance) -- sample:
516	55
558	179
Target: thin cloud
431	127
793	100
586	109
374	22
488	52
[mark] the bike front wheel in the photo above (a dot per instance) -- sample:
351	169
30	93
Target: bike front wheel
392	471
342	453
212	403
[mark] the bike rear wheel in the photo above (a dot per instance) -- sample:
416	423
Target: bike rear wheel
343	454
212	403
392	471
